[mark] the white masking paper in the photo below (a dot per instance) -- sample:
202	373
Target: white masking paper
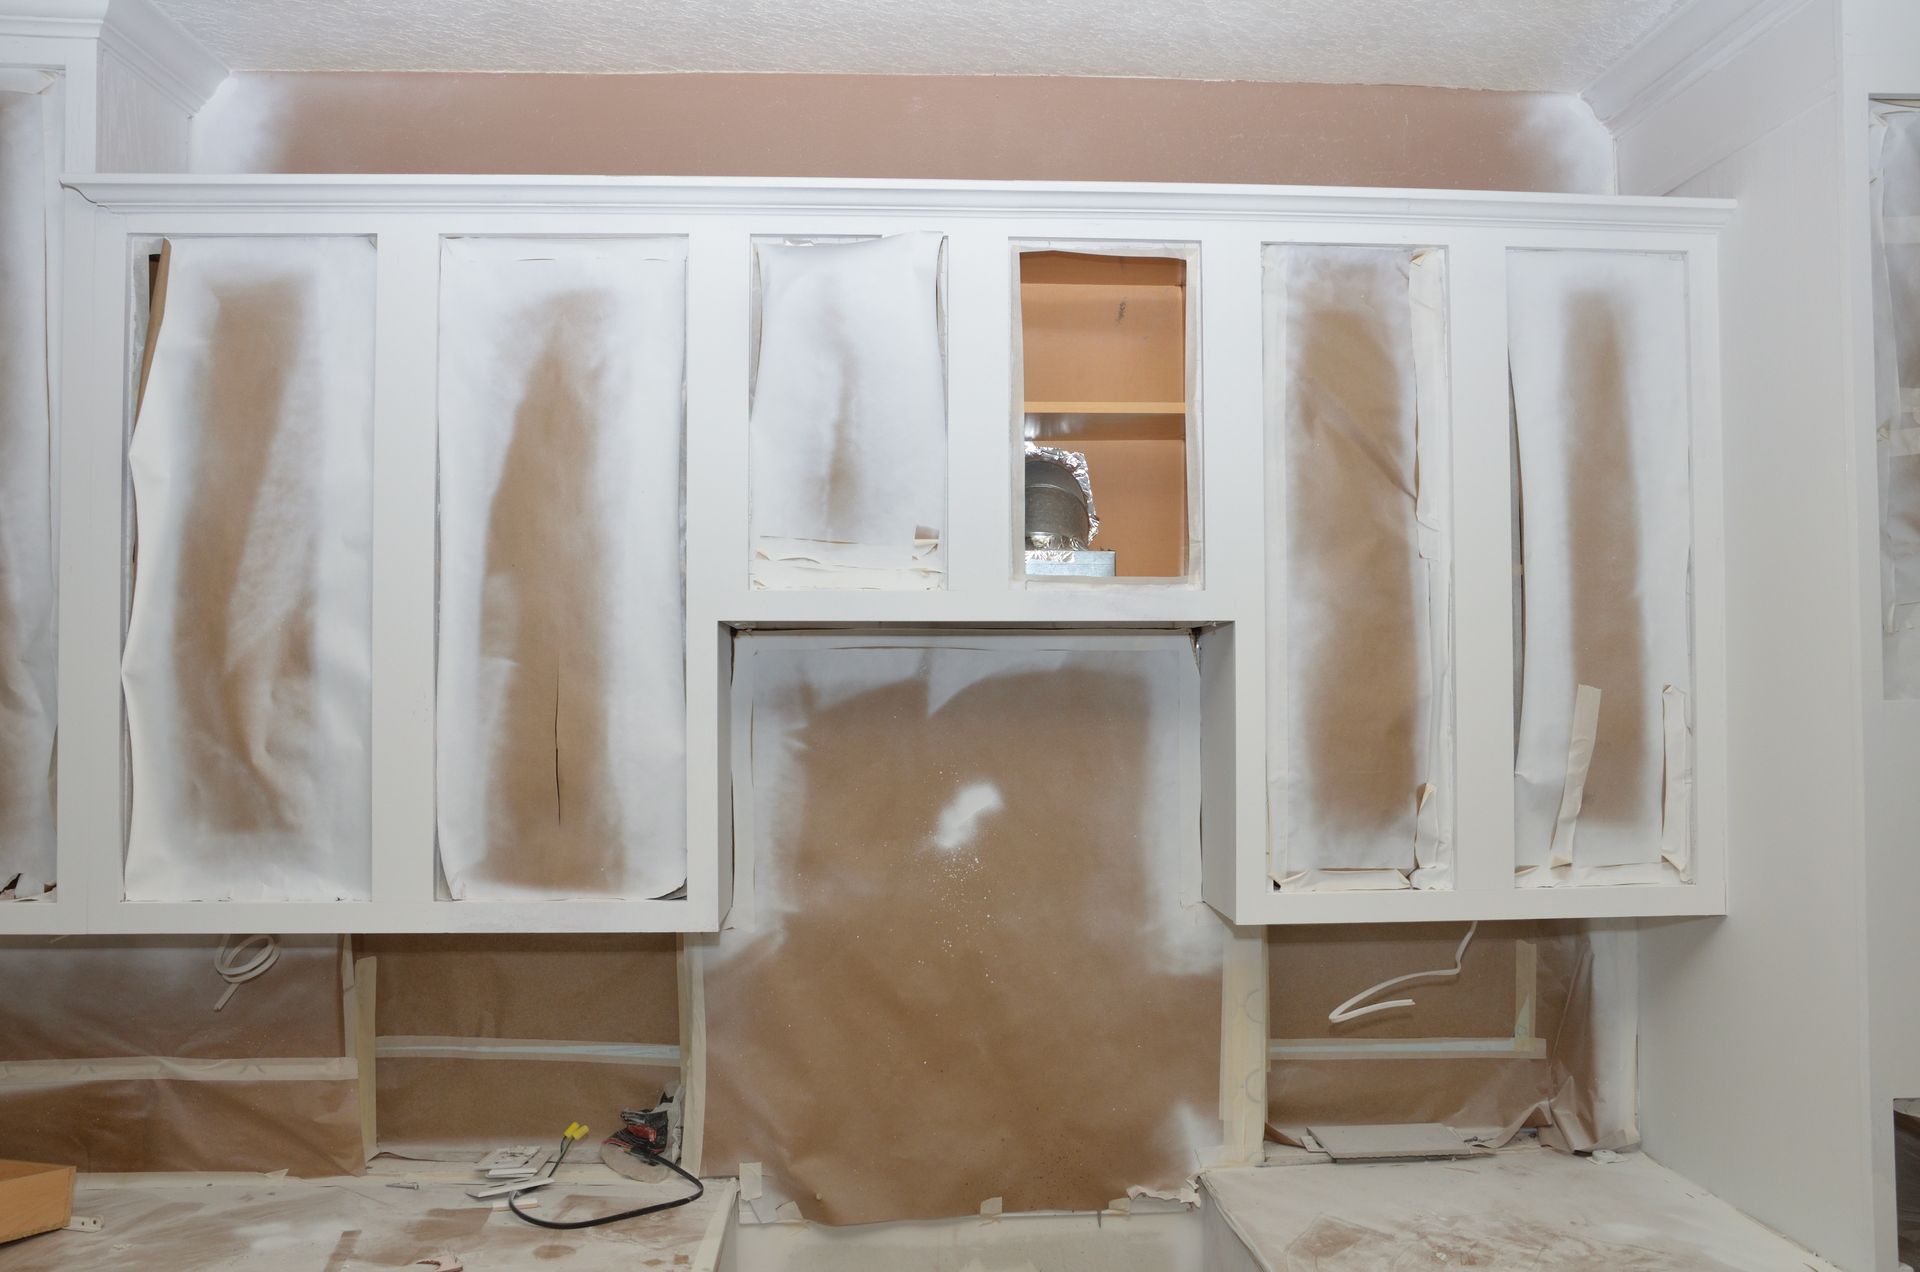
1598	354
28	151
561	700
847	446
1360	726
248	645
1894	152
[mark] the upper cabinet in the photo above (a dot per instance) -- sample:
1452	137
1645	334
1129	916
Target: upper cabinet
406	529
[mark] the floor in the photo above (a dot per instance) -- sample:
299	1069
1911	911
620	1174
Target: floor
1507	1212
225	1224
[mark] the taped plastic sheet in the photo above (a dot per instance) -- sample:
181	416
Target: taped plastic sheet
112	1058
466	1050
1538	1029
1360	750
847	440
246	666
561	738
1894	155
1597	343
969	960
28	152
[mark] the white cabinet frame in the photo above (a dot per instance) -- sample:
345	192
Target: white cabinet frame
408	216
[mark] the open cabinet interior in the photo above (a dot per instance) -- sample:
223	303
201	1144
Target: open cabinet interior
1106	376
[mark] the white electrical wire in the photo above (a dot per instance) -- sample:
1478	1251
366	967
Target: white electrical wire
237	970
1350	1011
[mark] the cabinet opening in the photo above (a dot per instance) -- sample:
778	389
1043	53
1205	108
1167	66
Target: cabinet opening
1107	413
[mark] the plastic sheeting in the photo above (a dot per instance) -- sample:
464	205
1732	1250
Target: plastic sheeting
1597	343
1538	1028
28	150
113	1058
562	690
969	960
1895	158
482	1041
246	666
1360	726
848	432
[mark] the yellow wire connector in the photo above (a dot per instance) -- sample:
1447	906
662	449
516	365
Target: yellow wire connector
574	1131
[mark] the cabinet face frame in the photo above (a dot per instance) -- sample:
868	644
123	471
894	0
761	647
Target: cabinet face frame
982	221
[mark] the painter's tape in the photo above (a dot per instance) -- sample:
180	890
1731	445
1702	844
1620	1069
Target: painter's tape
992	1207
1405	1048
1676	813
648	1055
752	1181
174	1068
1586	723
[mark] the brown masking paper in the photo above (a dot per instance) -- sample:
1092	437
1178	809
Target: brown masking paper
248	648
112	1058
847	436
1539	1026
561	735
28	162
489	1039
1597	348
969	959
1359	753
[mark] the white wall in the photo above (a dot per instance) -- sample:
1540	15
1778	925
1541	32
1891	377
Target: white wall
1881	47
1753	1028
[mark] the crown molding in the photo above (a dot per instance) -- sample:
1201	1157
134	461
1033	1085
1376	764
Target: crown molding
1697	38
153	45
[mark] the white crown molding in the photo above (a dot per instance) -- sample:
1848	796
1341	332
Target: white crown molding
1698	37
53	19
706	195
152	44
161	52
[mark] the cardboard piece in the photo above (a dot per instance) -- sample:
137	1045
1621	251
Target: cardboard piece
246	665
28	154
34	1198
1360	754
1597	344
970	960
847	439
561	732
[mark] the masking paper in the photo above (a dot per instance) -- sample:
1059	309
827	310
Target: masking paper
1360	734
113	1058
1537	1029
489	1040
968	959
246	666
1597	343
1894	153
847	454
561	735
27	663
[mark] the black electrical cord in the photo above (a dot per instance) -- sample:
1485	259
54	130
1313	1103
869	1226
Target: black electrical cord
699	1190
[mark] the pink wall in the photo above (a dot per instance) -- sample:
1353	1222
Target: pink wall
904	126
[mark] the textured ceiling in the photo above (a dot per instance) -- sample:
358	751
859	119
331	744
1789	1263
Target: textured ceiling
1510	44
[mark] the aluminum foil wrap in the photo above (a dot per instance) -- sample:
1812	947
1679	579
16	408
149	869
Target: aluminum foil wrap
1075	463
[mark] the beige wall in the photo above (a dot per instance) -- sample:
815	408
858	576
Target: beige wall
904	126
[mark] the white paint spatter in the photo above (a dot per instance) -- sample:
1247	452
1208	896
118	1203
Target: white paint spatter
960	819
